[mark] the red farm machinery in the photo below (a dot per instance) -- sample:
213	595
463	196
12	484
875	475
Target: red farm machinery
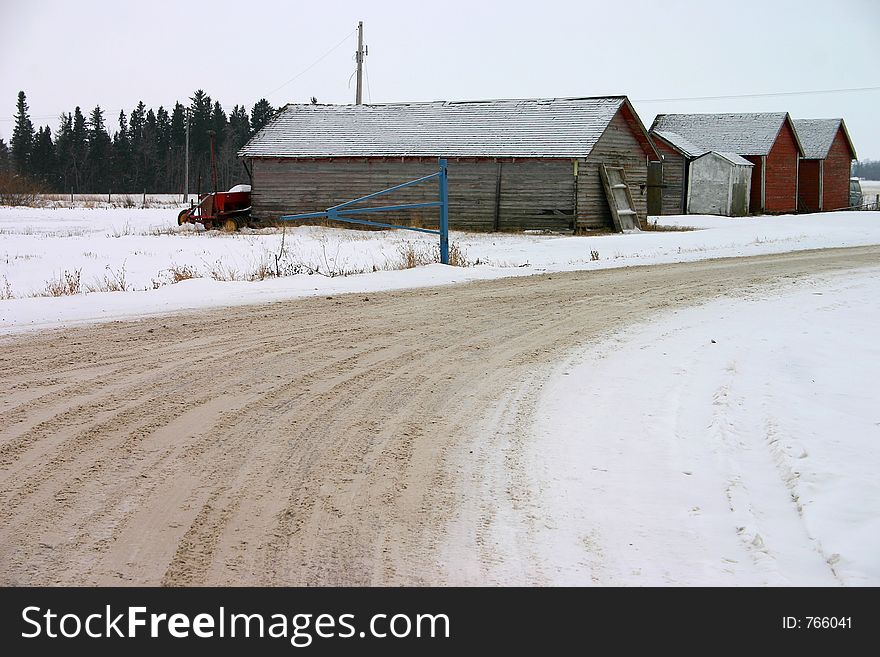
228	211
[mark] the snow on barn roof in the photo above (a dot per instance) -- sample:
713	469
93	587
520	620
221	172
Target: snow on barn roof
744	134
817	135
557	127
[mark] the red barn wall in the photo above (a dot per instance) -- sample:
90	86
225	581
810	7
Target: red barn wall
780	194
755	193
838	165
808	184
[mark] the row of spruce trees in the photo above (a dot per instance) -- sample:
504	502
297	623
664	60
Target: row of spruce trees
144	151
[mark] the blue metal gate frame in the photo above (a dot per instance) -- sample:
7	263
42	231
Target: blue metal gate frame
343	211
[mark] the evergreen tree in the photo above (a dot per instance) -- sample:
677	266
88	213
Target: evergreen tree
163	179
261	114
22	137
201	121
100	151
64	152
120	178
178	142
79	149
136	122
239	125
43	163
148	152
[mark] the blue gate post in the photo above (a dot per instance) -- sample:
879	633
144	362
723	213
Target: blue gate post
444	214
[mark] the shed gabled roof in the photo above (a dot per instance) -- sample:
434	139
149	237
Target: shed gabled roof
556	127
817	135
680	143
733	158
744	134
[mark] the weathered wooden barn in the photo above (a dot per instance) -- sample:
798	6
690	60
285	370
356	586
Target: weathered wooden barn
824	171
513	164
767	140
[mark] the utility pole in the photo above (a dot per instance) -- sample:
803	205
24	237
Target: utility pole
186	161
359	95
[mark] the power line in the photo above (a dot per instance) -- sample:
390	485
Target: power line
764	95
314	63
367	74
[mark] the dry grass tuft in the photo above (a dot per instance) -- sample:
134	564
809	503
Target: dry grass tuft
67	283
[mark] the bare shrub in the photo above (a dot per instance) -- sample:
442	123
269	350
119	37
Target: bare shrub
661	228
594	255
457	256
417	254
179	273
125	231
67	283
20	190
220	271
113	281
6	290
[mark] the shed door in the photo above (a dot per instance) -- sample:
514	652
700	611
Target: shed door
655	188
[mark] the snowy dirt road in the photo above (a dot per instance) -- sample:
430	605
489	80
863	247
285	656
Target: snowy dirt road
348	440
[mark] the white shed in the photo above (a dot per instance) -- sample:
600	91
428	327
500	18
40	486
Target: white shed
719	183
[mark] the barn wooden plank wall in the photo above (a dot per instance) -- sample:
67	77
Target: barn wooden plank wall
533	193
617	146
674	190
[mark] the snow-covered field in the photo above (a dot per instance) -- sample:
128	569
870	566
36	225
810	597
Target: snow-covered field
143	251
736	443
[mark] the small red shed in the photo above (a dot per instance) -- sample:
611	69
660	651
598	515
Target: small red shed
768	140
824	171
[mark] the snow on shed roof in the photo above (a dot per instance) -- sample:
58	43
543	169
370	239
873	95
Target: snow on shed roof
745	134
557	127
733	158
680	143
817	135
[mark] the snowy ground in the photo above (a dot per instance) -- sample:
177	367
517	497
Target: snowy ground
140	249
736	443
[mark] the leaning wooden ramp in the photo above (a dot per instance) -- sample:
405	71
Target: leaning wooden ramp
623	210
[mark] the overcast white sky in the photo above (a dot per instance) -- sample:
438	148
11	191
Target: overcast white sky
115	53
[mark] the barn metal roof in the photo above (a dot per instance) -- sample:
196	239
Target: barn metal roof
817	135
556	127
745	134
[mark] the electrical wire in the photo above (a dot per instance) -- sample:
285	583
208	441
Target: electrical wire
764	95
314	63
367	74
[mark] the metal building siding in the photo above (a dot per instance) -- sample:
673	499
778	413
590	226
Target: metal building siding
780	193
838	166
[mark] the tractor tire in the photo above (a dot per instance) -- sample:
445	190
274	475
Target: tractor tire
181	218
